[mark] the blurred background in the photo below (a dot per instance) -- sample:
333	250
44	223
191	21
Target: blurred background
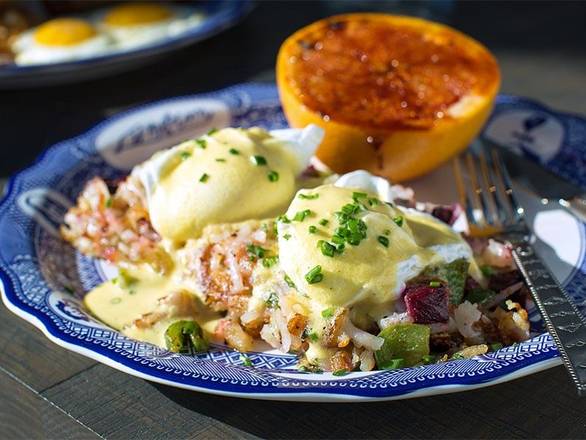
540	46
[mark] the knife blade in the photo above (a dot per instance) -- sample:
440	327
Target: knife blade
541	181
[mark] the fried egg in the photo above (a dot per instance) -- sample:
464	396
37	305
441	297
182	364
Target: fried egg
59	40
138	23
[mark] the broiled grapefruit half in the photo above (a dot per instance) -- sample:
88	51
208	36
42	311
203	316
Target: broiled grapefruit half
396	95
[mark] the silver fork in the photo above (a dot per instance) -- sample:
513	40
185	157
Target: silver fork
492	209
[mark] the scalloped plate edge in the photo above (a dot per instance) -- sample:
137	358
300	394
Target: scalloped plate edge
296	397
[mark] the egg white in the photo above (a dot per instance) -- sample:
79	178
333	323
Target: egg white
127	37
29	51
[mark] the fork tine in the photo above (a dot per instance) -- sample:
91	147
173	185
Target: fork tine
502	176
477	191
499	213
464	199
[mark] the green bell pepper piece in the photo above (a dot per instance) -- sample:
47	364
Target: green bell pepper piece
479	295
408	342
181	334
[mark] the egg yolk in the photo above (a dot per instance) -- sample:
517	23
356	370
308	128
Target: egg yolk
133	14
64	32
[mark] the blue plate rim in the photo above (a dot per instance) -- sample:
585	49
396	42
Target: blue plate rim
534	362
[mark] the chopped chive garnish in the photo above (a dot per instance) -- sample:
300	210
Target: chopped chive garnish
109	202
428	359
246	361
435	284
289	281
326	248
301	215
341	372
383	240
351	209
373	201
342	217
287	236
358	195
313	336
212	131
328	313
185	155
220	159
255	252
201	143
204	178
314	275
270	261
308	196
283	219
386	231
258	160
496	346
272	302
398	220
312	229
273	176
323	222
234	151
337	239
393	364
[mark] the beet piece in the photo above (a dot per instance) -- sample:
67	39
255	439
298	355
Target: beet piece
426	304
446	213
453	275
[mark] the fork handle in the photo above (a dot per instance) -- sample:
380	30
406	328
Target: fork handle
562	319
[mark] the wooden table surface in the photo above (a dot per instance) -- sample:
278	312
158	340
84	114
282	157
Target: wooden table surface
49	392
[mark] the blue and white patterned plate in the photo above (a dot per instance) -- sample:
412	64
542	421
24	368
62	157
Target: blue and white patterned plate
218	16
44	279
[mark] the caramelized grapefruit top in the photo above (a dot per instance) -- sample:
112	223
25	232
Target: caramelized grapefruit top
385	72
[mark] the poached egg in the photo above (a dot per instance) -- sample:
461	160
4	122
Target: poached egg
229	175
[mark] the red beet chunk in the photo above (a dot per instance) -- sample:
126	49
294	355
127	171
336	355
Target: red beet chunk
426	304
446	213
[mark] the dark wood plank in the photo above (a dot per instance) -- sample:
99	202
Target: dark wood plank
117	405
544	405
31	357
25	414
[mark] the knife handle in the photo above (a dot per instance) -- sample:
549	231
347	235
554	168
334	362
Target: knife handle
576	205
562	319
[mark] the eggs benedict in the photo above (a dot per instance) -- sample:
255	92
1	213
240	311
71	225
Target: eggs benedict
225	176
215	242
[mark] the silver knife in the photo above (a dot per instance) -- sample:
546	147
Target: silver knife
542	182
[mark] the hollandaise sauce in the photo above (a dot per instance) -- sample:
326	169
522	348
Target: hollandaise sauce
143	304
226	176
345	248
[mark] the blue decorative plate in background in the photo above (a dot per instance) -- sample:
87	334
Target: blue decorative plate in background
218	16
44	279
